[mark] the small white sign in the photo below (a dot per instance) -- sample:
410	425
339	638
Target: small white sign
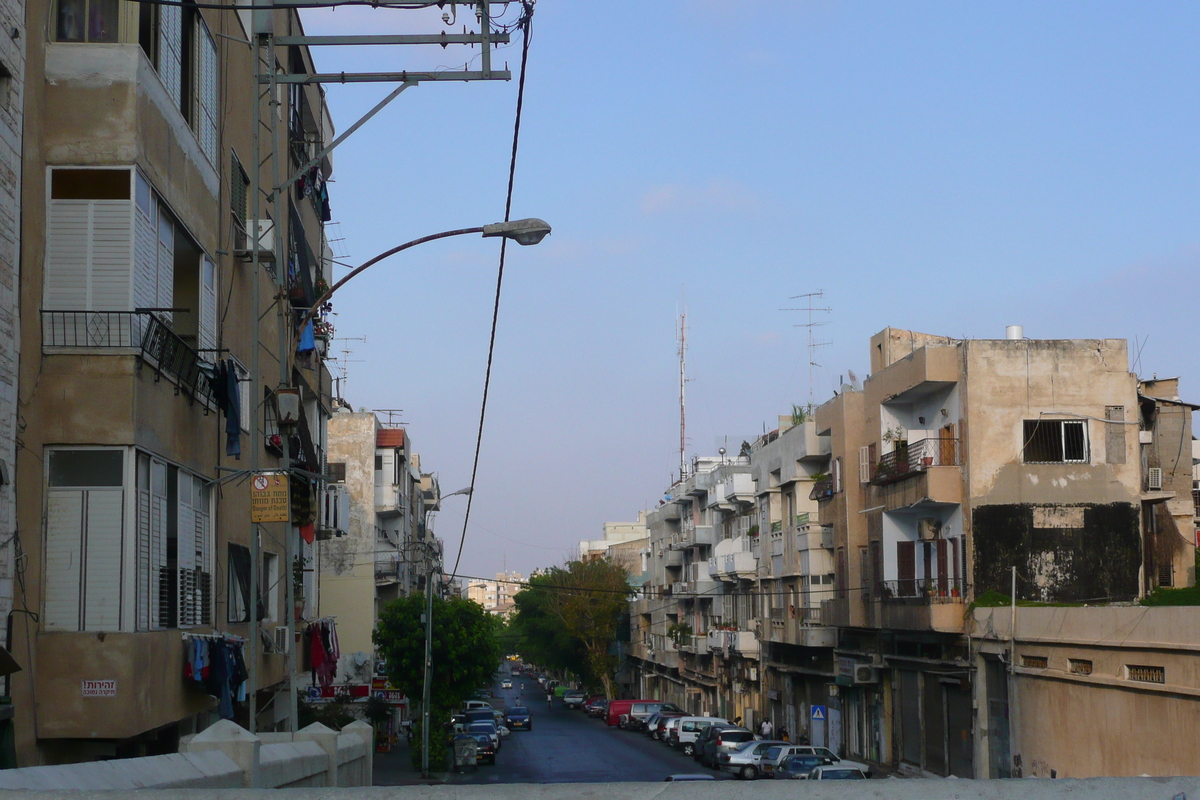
99	688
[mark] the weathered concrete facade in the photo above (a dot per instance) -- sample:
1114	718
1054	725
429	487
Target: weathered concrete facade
134	284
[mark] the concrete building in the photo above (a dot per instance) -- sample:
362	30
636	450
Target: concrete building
134	519
12	99
496	596
848	545
381	549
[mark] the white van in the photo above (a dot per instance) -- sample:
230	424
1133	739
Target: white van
686	729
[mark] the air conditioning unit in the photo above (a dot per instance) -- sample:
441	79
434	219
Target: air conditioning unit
281	639
866	674
1154	479
753	674
259	233
928	529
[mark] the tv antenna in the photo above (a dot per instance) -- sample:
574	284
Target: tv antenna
342	365
393	417
813	344
681	335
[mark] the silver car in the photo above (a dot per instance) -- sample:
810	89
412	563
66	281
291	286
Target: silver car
773	756
745	760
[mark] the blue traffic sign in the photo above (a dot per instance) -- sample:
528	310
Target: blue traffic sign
818	712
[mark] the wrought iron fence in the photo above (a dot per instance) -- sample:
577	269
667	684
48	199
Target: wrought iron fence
916	457
932	590
166	352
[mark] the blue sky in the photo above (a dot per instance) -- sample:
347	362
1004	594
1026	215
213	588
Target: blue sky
947	167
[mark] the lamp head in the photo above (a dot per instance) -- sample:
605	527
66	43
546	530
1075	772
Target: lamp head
522	231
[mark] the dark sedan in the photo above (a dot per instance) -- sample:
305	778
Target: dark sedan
518	717
597	708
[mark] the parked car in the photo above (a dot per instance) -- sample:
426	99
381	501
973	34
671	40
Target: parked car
518	717
658	730
684	732
618	707
476	704
743	761
488	728
772	758
597	708
705	734
635	719
574	699
837	772
793	768
721	741
690	776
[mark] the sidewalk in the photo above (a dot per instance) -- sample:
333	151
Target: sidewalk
396	769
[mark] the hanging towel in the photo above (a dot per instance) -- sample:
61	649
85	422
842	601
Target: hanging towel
308	532
307	341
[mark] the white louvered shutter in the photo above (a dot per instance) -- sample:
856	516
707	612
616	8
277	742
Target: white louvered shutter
145	257
160	601
145	567
102	566
864	464
166	263
186	552
170	51
64	559
111	255
208	308
204	549
206	119
67	238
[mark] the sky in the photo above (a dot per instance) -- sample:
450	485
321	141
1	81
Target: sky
946	167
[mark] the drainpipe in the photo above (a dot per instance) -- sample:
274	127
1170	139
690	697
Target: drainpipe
1013	718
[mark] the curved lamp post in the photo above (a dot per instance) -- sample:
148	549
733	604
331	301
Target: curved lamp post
522	231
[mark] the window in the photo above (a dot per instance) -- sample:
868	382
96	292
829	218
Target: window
86	20
1080	666
180	47
335	472
239	208
1035	662
837	474
88	254
84	540
269	588
864	464
1055	441
1144	674
238	585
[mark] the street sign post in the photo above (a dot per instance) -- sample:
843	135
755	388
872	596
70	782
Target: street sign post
269	498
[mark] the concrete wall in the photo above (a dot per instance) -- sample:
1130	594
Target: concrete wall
1102	722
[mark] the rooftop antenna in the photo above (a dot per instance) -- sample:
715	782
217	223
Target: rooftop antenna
342	364
813	344
393	417
681	335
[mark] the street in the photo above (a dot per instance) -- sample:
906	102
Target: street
564	746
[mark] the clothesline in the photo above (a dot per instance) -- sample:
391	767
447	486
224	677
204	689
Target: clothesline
212	637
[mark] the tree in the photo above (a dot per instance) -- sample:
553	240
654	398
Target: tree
579	607
465	652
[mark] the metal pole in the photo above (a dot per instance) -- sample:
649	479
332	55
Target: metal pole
282	244
255	380
427	691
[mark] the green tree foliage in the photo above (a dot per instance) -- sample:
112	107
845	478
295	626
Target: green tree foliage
466	652
571	614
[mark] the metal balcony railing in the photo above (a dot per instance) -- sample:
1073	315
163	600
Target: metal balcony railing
930	590
160	347
914	458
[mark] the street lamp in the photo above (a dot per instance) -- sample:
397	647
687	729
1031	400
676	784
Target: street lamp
522	231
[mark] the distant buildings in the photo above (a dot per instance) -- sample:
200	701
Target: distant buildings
496	596
829	580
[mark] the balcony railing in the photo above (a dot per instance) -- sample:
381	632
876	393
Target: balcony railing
822	490
159	346
930	590
916	457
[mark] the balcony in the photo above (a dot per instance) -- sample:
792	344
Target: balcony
387	570
924	604
733	566
822	490
639	607
915	458
335	511
389	500
139	333
672	559
744	642
705	535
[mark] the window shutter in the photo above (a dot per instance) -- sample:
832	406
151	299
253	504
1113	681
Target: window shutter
206	129
144	568
64	559
67	255
208	308
112	255
186	552
145	257
170	49
864	464
102	581
160	583
203	543
165	271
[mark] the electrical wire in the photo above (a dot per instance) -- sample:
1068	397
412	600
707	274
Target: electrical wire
526	24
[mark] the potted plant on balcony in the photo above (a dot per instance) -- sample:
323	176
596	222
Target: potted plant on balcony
752	531
898	438
680	633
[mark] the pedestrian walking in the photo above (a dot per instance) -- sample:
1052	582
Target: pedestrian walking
549	701
766	729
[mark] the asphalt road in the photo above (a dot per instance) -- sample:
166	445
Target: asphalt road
567	746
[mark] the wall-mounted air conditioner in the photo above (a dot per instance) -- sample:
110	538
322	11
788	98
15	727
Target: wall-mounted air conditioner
262	232
928	528
281	639
866	674
1154	479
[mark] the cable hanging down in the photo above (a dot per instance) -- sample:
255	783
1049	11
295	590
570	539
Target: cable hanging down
526	24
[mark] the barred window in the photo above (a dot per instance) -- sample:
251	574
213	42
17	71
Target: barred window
1080	666
1055	441
1145	674
1035	662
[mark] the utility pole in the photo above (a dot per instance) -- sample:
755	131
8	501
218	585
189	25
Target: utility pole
427	691
681	335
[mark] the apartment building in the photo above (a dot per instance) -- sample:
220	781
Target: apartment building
849	545
139	399
380	547
12	97
496	596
